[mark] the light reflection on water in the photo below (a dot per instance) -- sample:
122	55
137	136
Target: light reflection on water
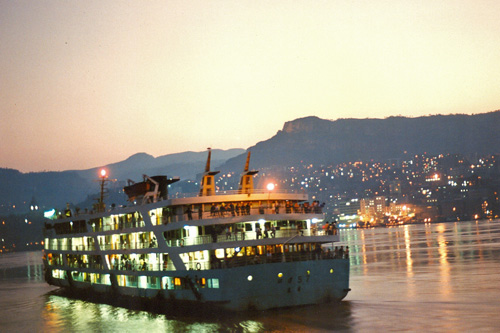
435	277
428	277
63	314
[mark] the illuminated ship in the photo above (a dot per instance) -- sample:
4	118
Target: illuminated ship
242	249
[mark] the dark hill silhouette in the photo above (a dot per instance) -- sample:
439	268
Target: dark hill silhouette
309	140
319	141
54	189
185	165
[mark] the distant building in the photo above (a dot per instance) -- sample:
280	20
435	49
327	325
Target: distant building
346	207
373	209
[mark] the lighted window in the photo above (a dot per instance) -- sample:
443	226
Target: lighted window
280	275
177	281
105	279
331	270
166	283
250	278
308	272
142	281
213	283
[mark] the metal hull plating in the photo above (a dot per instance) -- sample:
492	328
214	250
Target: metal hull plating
256	287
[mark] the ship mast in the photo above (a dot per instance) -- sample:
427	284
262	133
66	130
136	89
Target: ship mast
101	206
207	181
246	180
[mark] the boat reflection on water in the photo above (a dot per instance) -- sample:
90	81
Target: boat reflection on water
70	313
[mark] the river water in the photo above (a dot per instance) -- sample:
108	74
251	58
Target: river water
433	278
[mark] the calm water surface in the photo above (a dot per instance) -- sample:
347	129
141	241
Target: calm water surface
437	277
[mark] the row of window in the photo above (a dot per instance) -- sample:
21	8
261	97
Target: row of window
141	281
197	260
167	215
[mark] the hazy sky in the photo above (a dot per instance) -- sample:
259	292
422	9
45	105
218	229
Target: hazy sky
87	83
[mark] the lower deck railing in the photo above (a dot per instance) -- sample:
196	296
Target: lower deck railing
237	261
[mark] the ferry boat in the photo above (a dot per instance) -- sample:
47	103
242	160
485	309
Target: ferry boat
238	250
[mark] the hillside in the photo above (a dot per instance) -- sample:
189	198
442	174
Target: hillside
319	141
309	140
54	189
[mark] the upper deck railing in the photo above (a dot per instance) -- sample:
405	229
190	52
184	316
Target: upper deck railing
193	215
178	195
190	241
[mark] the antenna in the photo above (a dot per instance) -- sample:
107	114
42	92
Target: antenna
103	175
248	161
207	167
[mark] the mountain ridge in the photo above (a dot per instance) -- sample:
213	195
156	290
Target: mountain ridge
319	141
307	140
55	188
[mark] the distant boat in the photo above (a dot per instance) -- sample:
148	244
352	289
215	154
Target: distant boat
242	249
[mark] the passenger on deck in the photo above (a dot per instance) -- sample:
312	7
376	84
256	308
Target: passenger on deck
341	252
258	232
231	209
299	230
189	213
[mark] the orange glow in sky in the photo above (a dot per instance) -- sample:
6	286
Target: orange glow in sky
87	83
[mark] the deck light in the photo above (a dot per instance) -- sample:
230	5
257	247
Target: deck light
49	213
270	186
103	173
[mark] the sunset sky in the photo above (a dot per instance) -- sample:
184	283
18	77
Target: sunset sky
87	83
